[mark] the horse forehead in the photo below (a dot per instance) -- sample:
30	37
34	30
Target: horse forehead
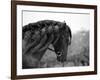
59	45
61	42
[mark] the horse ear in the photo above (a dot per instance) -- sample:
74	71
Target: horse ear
69	30
64	23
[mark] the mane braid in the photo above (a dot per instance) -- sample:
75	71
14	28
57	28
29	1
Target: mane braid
45	24
37	26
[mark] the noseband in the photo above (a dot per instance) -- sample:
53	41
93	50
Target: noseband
59	54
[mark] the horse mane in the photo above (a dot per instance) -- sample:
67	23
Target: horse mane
37	26
59	30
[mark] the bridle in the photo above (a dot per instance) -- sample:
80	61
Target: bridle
58	52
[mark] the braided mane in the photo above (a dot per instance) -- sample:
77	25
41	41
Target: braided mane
45	24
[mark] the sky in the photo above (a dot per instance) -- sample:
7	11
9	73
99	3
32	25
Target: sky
76	21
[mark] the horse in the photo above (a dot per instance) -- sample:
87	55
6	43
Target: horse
36	38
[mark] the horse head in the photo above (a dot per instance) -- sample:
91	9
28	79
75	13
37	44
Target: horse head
61	45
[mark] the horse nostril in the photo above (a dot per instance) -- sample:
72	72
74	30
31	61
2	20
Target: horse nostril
59	53
61	57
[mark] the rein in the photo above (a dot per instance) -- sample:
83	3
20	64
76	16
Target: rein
59	53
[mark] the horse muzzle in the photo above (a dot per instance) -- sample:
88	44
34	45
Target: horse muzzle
61	57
